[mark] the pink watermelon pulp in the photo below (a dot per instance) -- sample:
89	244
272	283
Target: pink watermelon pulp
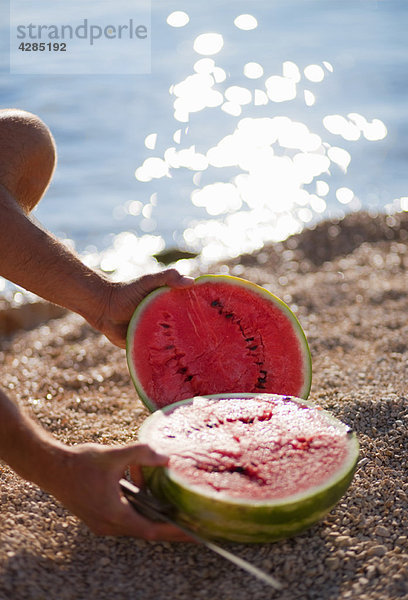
224	334
250	468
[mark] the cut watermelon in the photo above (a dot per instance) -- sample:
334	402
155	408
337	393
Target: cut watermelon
224	334
249	468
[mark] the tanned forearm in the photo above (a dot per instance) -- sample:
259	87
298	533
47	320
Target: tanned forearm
26	447
85	478
35	260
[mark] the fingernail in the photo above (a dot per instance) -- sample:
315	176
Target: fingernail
162	457
186	280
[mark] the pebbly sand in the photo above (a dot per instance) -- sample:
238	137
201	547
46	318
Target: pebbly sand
348	283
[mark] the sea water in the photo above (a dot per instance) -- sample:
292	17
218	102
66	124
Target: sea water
258	119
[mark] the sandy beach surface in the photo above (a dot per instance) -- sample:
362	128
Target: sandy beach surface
347	281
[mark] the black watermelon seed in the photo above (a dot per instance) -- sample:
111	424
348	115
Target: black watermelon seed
165	325
254	347
249	339
189	378
229	316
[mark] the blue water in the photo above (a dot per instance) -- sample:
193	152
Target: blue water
100	122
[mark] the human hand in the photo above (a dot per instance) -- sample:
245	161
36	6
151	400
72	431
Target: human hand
88	485
120	301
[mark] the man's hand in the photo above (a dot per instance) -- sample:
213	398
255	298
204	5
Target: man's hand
121	300
85	478
88	486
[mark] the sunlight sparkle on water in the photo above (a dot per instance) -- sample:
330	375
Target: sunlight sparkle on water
317	204
178	18
135	208
344	195
341	126
152	168
150	141
218	198
238	95
246	22
277	157
219	75
280	89
253	70
232	108
177	136
260	98
194	94
128	257
351	128
290	70
208	43
187	157
204	65
314	73
322	188
340	157
310	98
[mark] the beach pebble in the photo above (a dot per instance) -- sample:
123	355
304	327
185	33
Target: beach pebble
333	562
377	550
382	531
77	386
343	541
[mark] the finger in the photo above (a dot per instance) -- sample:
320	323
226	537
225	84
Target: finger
136	525
138	454
125	520
178	280
170	277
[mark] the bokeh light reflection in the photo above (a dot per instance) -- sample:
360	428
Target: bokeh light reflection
284	164
253	70
246	22
178	18
208	43
314	73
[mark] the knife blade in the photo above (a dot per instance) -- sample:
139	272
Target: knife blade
150	507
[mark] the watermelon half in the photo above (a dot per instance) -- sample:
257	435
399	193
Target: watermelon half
249	468
224	334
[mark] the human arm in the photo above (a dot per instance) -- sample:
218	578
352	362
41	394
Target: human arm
32	258
85	478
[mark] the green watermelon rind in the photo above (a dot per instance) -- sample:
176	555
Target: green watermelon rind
246	520
225	279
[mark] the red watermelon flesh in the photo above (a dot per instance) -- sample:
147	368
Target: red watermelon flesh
221	335
257	448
